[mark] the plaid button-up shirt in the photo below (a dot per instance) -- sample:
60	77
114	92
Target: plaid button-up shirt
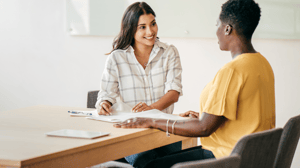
125	77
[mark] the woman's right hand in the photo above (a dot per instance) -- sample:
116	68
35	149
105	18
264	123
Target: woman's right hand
104	108
190	114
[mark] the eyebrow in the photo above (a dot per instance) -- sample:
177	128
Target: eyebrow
145	24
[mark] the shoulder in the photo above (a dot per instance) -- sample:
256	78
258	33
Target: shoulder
117	55
168	48
230	71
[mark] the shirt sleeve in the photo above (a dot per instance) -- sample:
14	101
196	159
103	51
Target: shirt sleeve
223	95
173	81
109	87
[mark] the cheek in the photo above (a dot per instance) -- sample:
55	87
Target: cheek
156	28
137	35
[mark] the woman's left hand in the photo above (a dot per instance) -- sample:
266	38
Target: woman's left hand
141	106
136	123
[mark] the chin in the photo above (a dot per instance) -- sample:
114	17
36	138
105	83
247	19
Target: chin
150	43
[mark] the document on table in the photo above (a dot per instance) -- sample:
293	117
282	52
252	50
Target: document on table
120	117
122	112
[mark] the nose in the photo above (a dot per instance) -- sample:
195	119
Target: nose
149	30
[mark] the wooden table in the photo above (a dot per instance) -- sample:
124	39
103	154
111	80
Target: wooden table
23	142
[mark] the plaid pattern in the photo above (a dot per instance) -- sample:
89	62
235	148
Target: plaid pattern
123	76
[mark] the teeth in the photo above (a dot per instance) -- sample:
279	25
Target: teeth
149	37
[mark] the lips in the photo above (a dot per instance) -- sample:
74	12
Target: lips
149	38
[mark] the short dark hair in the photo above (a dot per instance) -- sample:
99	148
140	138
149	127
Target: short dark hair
129	24
243	15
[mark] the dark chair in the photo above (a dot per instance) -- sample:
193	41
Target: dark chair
288	143
232	161
257	150
92	98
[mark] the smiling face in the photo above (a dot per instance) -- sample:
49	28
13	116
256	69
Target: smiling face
146	32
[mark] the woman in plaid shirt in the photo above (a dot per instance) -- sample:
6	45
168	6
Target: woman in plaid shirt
143	72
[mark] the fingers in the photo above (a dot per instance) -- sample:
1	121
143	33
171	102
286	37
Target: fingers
130	123
189	114
195	114
105	109
186	114
141	106
135	123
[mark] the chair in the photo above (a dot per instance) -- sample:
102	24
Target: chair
92	98
232	161
257	150
288	143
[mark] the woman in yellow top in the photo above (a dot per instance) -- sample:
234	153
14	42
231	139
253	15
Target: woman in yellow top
240	99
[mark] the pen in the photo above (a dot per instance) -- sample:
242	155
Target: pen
80	112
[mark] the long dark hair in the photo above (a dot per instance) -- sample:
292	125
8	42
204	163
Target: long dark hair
129	24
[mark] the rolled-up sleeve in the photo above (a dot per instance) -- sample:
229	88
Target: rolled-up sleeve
109	89
173	80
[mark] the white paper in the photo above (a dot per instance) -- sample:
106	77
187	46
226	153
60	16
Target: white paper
122	112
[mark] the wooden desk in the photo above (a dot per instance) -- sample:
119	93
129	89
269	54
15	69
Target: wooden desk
23	142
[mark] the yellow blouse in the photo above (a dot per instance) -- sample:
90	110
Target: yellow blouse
243	92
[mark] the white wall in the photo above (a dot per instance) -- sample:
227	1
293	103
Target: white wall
41	64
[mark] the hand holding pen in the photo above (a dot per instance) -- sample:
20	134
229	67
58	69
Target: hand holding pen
104	108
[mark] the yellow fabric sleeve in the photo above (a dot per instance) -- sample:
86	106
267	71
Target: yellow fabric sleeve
224	93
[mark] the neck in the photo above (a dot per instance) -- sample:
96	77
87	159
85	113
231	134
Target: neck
241	47
142	50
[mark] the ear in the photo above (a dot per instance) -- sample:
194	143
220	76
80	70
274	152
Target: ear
228	29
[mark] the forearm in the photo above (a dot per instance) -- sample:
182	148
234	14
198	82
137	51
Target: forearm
168	99
202	127
188	128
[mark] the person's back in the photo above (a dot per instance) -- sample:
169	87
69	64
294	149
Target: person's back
250	101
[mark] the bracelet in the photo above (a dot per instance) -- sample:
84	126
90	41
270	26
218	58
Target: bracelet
167	128
173	126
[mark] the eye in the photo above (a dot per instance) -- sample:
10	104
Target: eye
142	27
154	23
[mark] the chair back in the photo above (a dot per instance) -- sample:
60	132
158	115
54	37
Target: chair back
258	150
232	161
288	143
92	98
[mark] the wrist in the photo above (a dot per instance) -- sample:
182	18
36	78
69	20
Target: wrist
153	106
106	102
